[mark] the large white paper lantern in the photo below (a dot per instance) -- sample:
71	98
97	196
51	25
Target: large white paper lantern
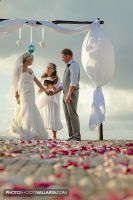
99	63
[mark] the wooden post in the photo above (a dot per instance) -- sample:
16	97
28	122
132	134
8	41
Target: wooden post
101	132
61	22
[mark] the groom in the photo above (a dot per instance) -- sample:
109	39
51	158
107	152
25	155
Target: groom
70	87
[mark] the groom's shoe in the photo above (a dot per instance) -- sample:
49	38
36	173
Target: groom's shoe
71	138
77	139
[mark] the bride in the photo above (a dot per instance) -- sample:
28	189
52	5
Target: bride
27	122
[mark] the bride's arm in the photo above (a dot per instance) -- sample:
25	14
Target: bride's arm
39	84
17	97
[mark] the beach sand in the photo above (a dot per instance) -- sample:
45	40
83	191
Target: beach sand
90	170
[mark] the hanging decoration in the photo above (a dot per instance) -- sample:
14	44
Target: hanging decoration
31	47
98	61
20	41
42	42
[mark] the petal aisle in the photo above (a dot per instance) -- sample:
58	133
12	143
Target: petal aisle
89	169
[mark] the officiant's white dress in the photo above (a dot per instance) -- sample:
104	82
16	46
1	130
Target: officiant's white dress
27	122
49	107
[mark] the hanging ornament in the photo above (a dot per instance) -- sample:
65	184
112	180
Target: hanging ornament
31	47
20	41
42	42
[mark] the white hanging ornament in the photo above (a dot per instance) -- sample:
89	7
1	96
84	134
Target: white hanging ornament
20	42
42	42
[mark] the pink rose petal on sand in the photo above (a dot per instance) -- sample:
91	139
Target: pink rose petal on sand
17	151
43	184
74	194
71	153
117	149
129	170
73	163
85	166
29	142
129	144
84	153
52	156
70	163
2	169
102	150
19	187
54	152
22	141
130	151
42	156
40	141
113	196
59	175
83	148
129	194
64	152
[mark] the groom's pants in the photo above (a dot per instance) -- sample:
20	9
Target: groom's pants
72	118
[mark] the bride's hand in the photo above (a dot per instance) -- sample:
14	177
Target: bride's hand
18	102
17	99
49	92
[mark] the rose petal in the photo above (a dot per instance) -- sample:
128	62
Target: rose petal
2	169
42	156
42	184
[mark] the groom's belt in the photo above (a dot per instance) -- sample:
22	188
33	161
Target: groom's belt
66	90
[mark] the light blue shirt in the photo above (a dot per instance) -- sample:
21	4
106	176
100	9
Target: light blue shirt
74	73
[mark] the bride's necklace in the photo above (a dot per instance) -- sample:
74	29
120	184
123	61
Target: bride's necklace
25	69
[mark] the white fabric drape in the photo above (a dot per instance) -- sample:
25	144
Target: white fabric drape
67	31
98	62
98	109
8	26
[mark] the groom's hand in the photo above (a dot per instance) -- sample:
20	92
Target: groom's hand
68	99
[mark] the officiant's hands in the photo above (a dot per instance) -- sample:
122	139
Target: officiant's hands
49	92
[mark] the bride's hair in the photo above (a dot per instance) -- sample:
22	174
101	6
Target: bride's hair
27	55
18	69
54	74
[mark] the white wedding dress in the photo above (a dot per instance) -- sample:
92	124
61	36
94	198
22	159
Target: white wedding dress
27	122
49	107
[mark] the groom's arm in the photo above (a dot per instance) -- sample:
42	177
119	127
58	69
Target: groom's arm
69	94
58	90
70	91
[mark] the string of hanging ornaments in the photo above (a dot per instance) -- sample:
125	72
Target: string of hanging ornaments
31	47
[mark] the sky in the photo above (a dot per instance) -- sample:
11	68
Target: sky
118	93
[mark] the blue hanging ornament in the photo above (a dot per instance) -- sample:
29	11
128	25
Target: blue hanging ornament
31	48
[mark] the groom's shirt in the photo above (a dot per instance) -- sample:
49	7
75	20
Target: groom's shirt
71	76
